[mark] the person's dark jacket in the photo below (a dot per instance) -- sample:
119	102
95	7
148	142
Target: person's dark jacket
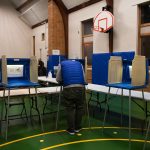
41	69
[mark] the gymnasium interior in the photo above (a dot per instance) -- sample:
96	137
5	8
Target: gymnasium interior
111	41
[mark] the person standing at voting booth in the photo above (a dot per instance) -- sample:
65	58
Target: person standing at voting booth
71	75
41	68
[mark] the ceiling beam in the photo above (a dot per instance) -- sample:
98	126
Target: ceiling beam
83	5
40	23
109	3
61	5
24	5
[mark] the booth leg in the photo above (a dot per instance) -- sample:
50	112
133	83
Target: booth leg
40	116
106	110
7	114
24	110
58	107
2	111
45	105
121	107
148	128
129	119
87	108
34	105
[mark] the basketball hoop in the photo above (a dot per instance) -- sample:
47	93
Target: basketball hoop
104	21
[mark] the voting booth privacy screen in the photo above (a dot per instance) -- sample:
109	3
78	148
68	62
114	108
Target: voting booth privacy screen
19	72
100	66
0	72
54	61
16	68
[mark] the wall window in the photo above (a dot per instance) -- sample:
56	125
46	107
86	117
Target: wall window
144	29
87	27
145	13
43	37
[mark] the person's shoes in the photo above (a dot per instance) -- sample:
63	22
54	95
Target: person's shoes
78	130
70	131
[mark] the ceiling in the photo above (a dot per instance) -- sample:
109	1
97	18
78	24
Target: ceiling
72	3
18	3
34	12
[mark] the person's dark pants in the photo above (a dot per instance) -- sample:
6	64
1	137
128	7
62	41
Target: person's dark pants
74	99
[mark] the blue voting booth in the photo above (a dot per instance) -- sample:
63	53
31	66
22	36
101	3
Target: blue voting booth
54	60
0	73
15	72
19	73
100	66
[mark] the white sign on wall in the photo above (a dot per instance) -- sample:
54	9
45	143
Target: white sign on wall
55	52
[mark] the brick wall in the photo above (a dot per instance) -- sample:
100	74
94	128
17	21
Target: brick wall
56	33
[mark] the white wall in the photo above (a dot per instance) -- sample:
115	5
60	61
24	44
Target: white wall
135	2
39	44
15	35
125	28
100	40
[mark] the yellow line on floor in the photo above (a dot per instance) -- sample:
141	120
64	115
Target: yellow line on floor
53	132
29	137
91	140
126	128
